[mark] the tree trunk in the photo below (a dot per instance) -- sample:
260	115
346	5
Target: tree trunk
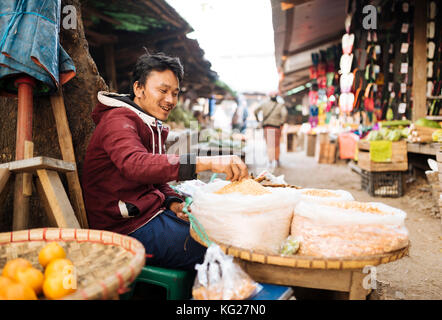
80	97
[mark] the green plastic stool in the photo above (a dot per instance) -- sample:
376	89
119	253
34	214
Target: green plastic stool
178	283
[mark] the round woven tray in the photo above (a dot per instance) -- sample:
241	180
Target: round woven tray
307	262
105	262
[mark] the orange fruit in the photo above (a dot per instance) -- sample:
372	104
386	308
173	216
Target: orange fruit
4	281
30	277
13	265
17	291
50	252
58	286
59	267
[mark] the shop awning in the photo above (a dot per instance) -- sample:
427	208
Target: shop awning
29	43
302	27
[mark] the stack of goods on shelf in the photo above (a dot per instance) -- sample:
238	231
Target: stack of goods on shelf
439	165
434	61
382	164
346	98
424	131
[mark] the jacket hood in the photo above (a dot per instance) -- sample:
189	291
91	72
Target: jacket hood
109	100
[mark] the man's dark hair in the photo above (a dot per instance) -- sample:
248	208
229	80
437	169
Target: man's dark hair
154	62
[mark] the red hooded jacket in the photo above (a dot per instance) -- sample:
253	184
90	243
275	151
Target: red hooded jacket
126	170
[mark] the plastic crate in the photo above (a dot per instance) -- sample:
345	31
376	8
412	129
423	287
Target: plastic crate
383	184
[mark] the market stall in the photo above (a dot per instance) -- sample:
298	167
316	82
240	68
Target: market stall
294	236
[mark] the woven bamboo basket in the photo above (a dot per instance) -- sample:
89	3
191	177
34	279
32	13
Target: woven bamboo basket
105	262
307	262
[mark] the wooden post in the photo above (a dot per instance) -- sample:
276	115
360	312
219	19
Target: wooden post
111	71
419	60
357	291
27	177
25	87
68	154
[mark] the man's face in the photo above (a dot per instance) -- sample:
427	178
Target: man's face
159	95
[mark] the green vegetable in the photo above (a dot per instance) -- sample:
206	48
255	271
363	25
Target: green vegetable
290	245
437	135
384	132
394	123
427	123
405	132
374	135
394	135
389	115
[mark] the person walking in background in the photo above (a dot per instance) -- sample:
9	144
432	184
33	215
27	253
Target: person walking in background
239	118
274	116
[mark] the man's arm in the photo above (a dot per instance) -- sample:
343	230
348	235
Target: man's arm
122	143
257	111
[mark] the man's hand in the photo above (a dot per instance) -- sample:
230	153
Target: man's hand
177	208
234	168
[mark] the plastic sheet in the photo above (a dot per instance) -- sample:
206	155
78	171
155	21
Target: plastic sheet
259	223
219	278
350	229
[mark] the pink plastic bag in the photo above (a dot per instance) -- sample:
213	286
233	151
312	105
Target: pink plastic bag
348	142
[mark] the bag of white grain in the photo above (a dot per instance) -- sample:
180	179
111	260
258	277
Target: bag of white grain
320	195
337	229
244	214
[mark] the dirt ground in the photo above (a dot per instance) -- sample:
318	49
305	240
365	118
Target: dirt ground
415	277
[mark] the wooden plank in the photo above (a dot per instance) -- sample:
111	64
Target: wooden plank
37	163
59	208
21	205
27	177
68	154
4	177
365	163
357	291
398	149
339	280
419	109
439	156
423	148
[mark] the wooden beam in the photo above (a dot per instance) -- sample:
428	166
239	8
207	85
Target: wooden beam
111	72
27	177
287	74
32	164
68	154
99	38
4	177
419	109
93	12
20	219
55	200
323	41
289	17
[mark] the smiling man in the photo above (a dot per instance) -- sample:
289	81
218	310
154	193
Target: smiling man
126	170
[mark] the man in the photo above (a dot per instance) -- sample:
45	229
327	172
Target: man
126	169
274	116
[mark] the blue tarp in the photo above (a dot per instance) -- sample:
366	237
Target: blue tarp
30	43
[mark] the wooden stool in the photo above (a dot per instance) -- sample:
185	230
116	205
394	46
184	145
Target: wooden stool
46	168
49	186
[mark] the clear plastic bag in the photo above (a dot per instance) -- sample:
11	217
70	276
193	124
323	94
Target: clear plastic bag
219	278
348	229
320	195
255	222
